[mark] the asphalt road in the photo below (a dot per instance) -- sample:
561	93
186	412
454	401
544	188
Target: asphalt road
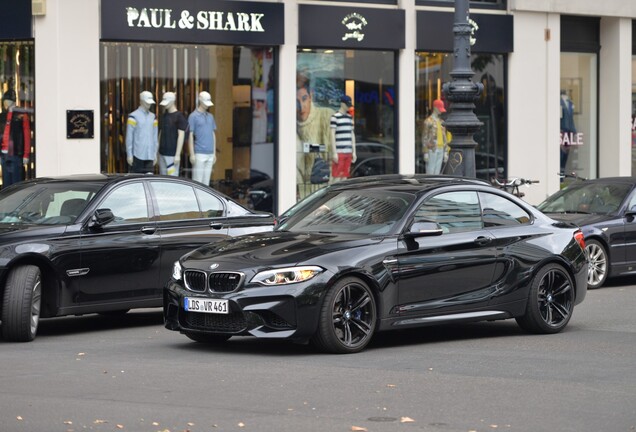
97	373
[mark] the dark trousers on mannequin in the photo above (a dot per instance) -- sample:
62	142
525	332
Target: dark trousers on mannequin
142	166
12	170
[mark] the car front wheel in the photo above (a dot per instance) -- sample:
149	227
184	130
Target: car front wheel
597	270
347	318
21	304
550	302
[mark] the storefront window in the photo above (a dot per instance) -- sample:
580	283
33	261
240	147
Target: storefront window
578	99
16	113
432	141
241	83
345	89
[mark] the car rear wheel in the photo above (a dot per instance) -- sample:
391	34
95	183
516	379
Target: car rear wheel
21	304
347	318
208	338
597	264
551	301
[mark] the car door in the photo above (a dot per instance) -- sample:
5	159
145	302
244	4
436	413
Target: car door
455	268
120	261
187	217
630	234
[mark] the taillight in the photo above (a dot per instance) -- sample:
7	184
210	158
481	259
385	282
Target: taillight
578	236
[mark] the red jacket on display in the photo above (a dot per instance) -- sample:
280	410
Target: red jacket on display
18	130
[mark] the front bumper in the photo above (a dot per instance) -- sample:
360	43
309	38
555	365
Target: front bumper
281	312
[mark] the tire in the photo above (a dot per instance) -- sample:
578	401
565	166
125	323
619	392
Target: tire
598	268
347	318
208	338
550	302
21	304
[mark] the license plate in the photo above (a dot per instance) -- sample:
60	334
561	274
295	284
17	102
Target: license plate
192	304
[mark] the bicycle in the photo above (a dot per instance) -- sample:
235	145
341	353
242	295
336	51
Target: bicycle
512	185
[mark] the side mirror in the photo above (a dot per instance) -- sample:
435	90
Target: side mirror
101	217
424	229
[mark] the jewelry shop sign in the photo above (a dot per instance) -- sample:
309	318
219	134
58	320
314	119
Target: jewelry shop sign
193	21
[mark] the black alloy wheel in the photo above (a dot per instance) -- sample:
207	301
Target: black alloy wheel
347	318
551	301
597	264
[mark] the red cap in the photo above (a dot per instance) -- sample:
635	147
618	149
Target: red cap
439	104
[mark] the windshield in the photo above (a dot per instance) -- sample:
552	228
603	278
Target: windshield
45	203
350	212
597	198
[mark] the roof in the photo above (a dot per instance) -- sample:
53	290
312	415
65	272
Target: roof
414	182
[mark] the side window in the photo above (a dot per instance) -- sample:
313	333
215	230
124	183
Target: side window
498	211
453	211
632	203
176	201
210	205
128	204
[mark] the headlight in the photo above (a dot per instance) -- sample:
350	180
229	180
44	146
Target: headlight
286	276
176	271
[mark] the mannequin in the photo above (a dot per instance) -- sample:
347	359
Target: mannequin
343	140
141	136
171	136
202	139
567	126
16	140
435	139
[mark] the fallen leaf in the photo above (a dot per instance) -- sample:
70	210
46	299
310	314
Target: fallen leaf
406	420
68	422
190	424
358	428
120	426
100	421
494	426
391	385
241	424
155	424
81	354
19	418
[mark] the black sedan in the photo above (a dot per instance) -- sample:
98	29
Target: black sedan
388	252
102	243
605	209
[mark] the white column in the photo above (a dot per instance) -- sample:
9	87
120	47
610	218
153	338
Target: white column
406	91
286	105
533	103
615	150
66	78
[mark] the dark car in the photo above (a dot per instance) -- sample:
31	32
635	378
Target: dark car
605	209
388	252
102	243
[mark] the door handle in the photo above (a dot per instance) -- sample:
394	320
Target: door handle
216	225
483	241
148	230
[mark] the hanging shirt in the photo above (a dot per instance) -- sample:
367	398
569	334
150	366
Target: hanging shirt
141	135
202	125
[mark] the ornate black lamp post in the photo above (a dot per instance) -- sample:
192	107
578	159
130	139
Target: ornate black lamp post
462	93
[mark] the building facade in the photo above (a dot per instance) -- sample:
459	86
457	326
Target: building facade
558	75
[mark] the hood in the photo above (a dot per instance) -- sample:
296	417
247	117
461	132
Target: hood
581	219
277	248
10	233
